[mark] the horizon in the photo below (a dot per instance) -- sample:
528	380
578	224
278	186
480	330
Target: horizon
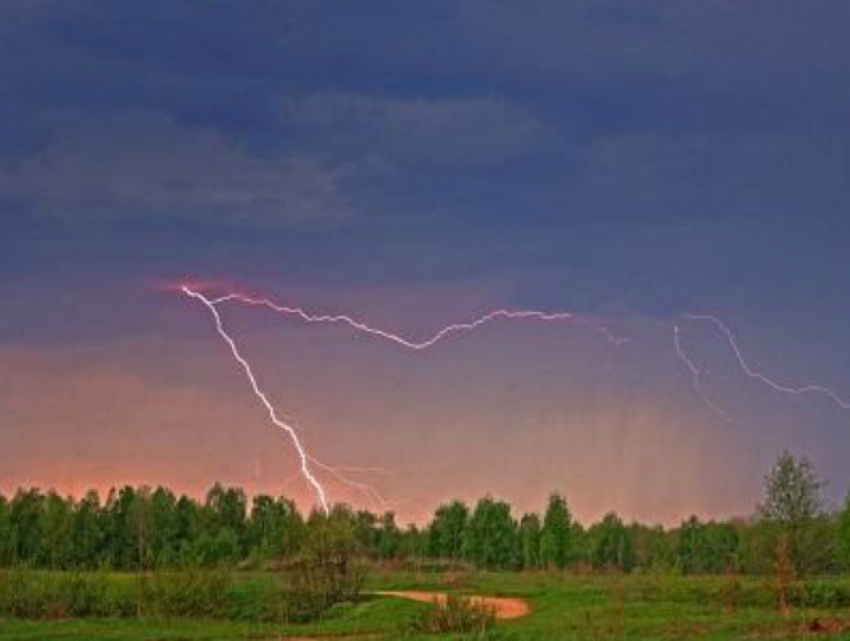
104	494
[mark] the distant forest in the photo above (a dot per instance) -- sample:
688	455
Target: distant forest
139	528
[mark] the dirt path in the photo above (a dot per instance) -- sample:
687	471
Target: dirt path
504	607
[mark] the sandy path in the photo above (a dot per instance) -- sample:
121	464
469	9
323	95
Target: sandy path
504	607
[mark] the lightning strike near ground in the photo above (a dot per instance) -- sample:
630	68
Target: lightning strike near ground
303	457
308	462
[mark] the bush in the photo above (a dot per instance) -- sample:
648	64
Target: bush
820	594
36	595
23	594
193	592
82	595
455	614
328	571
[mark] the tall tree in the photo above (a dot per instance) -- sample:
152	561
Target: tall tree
413	542
366	531
612	544
5	533
56	523
792	505
25	525
228	508
490	537
556	536
389	537
529	536
120	539
164	527
189	524
688	545
653	546
87	532
445	535
275	527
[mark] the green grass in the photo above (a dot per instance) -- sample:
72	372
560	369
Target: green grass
370	617
641	607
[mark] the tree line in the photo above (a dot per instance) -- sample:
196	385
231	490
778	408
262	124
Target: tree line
140	528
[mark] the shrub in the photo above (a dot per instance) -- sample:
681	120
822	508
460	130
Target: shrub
191	592
455	614
820	594
23	594
35	595
81	595
328	571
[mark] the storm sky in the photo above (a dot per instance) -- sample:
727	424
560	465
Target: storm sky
417	164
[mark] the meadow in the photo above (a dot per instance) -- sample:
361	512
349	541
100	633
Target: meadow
564	605
148	565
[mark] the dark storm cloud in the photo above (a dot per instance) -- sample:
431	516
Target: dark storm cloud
141	166
658	155
548	109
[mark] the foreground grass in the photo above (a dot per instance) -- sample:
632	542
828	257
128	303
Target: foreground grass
646	607
368	618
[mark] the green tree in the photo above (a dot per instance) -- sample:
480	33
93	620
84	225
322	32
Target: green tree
721	548
556	535
87	540
445	535
189	525
220	549
612	544
707	547
653	546
757	548
275	528
164	527
25	525
5	533
123	534
228	509
413	542
689	541
389	537
489	539
529	537
328	569
141	528
793	506
366	531
56	523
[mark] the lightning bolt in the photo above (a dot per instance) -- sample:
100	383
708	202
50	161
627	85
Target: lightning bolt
365	488
837	400
308	462
696	379
746	368
445	332
304	458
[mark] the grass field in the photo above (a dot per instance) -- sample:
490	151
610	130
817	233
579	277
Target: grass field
565	606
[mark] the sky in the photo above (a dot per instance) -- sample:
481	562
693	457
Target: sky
414	165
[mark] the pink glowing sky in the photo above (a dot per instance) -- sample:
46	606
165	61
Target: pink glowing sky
516	409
